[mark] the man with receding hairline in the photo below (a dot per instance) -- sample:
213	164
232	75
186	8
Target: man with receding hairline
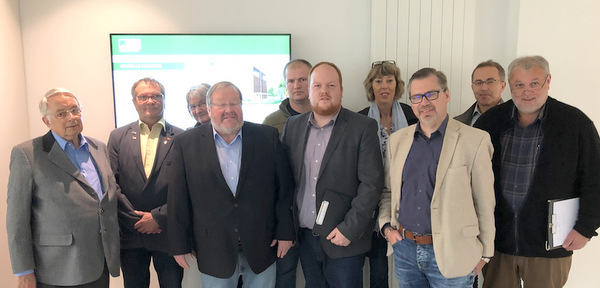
139	154
296	84
230	196
487	83
544	150
61	216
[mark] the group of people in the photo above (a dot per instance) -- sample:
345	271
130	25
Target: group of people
317	184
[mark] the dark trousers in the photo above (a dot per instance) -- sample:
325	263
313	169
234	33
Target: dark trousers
286	269
321	271
378	262
135	264
102	282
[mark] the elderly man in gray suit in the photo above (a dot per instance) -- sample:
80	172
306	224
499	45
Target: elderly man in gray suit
62	203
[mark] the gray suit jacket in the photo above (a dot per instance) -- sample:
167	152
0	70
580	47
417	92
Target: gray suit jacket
55	222
146	194
351	169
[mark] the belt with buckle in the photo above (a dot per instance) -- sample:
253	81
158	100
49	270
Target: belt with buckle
419	239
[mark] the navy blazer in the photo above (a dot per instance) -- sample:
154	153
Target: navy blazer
145	194
351	166
206	217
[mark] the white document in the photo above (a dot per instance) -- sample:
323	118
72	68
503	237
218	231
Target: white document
322	212
562	215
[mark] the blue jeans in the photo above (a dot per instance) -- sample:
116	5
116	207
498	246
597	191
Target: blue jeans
322	271
286	269
416	267
264	279
378	262
135	264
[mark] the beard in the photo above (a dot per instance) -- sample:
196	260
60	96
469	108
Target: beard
228	130
326	109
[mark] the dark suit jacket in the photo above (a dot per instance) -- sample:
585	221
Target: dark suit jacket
352	166
146	194
55	222
205	216
467	117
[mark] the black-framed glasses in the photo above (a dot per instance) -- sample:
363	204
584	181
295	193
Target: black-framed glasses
154	97
533	86
489	82
430	95
376	63
75	112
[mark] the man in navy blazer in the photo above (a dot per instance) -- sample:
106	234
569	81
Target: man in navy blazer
62	201
139	155
231	196
335	159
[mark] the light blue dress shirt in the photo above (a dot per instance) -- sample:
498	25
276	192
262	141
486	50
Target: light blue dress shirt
82	159
230	159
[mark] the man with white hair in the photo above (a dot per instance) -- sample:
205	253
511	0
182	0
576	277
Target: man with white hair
62	203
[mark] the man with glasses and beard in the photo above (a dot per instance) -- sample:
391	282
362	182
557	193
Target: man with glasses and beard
543	150
230	196
337	165
437	208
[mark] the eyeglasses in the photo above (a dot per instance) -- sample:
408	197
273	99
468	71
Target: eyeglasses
376	63
194	107
479	83
431	95
145	98
533	86
75	112
224	105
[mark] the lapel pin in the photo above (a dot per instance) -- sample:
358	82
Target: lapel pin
134	137
165	142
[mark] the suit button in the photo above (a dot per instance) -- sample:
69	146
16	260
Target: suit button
235	230
235	205
101	211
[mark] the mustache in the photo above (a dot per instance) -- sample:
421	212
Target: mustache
426	107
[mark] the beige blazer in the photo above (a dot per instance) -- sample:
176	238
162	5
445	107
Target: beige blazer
462	207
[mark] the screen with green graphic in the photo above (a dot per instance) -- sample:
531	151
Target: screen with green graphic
253	62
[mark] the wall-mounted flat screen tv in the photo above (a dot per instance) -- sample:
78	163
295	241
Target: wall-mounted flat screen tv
253	62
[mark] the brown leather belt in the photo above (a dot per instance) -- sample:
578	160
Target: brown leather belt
419	239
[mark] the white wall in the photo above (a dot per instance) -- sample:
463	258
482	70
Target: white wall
67	41
566	34
14	120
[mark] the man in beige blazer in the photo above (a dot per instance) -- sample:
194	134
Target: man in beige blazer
439	185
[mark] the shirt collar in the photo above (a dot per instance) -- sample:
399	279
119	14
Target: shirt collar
144	126
313	122
441	130
218	137
63	143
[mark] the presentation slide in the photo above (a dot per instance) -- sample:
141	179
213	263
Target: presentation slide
254	63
